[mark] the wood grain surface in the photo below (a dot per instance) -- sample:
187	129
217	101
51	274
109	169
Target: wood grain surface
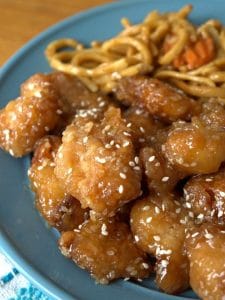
23	19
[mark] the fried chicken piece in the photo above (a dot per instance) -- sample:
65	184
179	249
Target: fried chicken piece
205	196
159	98
142	125
213	114
194	148
160	175
57	207
158	225
28	118
206	252
76	96
97	162
106	249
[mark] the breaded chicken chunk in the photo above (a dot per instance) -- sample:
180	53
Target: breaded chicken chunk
57	207
97	162
206	252
158	225
106	249
160	175
205	196
142	125
28	118
159	98
75	95
213	114
194	148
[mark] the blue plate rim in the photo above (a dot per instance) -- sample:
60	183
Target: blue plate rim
6	245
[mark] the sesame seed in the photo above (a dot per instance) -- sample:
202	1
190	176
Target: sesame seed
110	252
104	229
157	210
195	234
222	194
126	143
200	216
85	139
191	214
136	238
131	163
112	142
100	160
136	159
60	155
129	125
146	207
37	94
59	111
120	189
142	129
126	133
165	179
208	235
126	279
137	168
156	238
148	220
220	213
151	158
208	179
178	210
122	175
145	265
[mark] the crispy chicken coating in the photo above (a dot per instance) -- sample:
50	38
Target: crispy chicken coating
159	98
28	118
213	114
205	196
97	162
142	125
106	249
58	208
206	252
160	175
158	225
195	148
75	95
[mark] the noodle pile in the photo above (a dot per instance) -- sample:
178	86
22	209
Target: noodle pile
167	46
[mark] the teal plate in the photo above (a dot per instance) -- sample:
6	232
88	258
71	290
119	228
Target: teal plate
24	237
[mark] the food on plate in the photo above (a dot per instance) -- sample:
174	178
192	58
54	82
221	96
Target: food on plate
158	225
59	209
97	162
205	196
160	99
166	45
128	142
31	116
206	249
106	249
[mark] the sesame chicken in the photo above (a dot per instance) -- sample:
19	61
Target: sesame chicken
194	148
159	98
106	249
97	162
57	207
206	253
158	225
205	196
29	117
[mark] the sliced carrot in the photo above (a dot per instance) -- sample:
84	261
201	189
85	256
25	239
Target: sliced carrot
195	54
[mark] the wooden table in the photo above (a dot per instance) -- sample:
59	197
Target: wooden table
23	19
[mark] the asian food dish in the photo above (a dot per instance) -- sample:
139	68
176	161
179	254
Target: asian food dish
128	148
